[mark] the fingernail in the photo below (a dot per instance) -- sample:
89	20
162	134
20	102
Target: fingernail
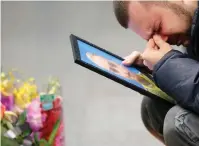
124	61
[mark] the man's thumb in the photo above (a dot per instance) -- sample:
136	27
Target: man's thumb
159	41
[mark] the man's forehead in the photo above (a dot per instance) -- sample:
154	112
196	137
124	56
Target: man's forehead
140	22
137	13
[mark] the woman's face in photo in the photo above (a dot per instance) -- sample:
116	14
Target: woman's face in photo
111	66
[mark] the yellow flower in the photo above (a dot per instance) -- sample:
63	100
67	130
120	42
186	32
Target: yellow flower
25	94
6	85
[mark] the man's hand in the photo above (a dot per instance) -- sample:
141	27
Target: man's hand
134	58
156	48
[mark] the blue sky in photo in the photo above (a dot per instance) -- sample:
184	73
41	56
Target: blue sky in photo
84	48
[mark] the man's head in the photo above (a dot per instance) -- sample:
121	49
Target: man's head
170	19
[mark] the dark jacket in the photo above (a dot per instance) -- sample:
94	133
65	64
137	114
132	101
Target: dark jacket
178	74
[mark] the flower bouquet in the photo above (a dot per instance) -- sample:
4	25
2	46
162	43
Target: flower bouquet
29	117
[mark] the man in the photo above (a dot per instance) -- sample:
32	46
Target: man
165	23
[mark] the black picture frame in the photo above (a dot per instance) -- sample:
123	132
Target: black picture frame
77	60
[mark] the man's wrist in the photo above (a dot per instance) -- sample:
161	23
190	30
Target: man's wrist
163	59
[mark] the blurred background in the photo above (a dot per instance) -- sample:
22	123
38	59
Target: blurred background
97	111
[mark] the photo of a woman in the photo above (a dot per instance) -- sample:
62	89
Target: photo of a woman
123	71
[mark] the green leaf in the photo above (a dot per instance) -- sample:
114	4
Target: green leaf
22	118
19	139
26	133
8	142
54	132
36	139
43	142
6	124
9	125
3	128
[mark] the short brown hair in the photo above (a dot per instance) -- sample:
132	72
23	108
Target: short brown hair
120	9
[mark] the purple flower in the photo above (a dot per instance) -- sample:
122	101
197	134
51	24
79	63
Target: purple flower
7	101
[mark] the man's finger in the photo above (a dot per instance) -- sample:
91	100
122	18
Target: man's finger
150	44
156	47
149	55
139	61
129	60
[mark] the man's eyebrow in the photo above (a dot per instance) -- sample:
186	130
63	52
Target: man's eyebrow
112	66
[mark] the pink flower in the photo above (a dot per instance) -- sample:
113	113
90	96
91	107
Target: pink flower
34	115
43	121
59	139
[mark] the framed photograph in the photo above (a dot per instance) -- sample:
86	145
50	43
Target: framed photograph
110	66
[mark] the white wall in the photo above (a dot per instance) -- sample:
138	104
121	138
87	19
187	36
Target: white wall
35	39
